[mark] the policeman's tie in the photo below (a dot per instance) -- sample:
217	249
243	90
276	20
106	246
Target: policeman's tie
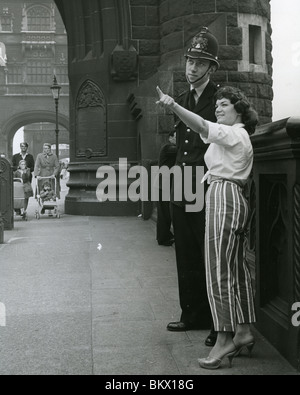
192	101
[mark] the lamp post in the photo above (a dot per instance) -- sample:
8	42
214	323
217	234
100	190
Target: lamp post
55	89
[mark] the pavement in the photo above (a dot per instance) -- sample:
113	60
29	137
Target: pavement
93	296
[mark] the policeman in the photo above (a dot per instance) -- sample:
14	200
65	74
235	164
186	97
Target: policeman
189	227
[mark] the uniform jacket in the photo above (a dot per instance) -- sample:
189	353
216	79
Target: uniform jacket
190	148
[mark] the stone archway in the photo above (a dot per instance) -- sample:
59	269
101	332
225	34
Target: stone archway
13	124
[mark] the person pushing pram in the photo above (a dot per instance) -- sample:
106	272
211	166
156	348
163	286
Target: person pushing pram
47	169
47	165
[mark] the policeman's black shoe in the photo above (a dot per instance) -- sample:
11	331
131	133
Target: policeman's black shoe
211	339
167	243
177	327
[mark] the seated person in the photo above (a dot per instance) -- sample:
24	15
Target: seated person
47	194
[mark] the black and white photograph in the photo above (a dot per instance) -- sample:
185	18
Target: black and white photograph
149	190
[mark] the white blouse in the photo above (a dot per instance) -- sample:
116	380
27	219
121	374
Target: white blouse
230	154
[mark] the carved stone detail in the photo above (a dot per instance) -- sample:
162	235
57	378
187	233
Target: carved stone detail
90	96
124	64
91	125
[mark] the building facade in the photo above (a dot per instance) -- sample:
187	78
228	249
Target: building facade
33	44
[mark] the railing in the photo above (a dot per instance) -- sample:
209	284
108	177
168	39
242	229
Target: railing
275	227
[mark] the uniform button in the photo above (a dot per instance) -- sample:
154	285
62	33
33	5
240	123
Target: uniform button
188	130
184	164
185	154
186	141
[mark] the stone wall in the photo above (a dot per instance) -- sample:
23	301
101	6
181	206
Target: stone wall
146	35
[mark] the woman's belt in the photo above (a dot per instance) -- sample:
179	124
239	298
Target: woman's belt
220	179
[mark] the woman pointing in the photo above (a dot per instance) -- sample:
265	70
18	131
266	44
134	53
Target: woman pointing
229	160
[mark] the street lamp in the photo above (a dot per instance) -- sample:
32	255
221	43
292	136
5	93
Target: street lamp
55	89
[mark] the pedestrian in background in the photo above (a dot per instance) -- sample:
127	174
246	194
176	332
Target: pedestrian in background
23	155
47	165
24	173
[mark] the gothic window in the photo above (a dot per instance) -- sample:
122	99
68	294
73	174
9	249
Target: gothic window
39	19
6	21
38	71
15	73
62	74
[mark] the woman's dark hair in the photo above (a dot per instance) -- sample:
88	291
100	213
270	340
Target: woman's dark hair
241	105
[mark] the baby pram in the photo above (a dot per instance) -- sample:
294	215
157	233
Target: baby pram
51	206
19	198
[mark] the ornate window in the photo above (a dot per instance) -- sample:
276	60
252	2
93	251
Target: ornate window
15	73
38	71
6	21
38	18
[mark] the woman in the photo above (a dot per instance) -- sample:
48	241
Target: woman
47	165
24	173
229	160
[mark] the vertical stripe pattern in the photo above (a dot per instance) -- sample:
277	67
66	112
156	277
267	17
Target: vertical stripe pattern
228	277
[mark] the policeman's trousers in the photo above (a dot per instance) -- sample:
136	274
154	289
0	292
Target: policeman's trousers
228	278
189	230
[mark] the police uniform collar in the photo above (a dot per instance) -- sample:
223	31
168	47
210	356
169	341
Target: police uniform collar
200	89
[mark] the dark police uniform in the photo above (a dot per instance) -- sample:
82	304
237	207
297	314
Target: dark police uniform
189	227
164	236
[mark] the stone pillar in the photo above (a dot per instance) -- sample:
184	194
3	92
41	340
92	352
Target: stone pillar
244	34
103	69
6	194
1	230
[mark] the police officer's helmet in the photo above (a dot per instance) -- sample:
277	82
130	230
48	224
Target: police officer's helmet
204	46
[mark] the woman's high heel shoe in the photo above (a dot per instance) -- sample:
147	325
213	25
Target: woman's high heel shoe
214	363
248	346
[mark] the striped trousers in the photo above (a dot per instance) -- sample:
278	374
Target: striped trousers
228	277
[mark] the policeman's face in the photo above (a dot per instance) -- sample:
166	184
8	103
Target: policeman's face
226	114
195	69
